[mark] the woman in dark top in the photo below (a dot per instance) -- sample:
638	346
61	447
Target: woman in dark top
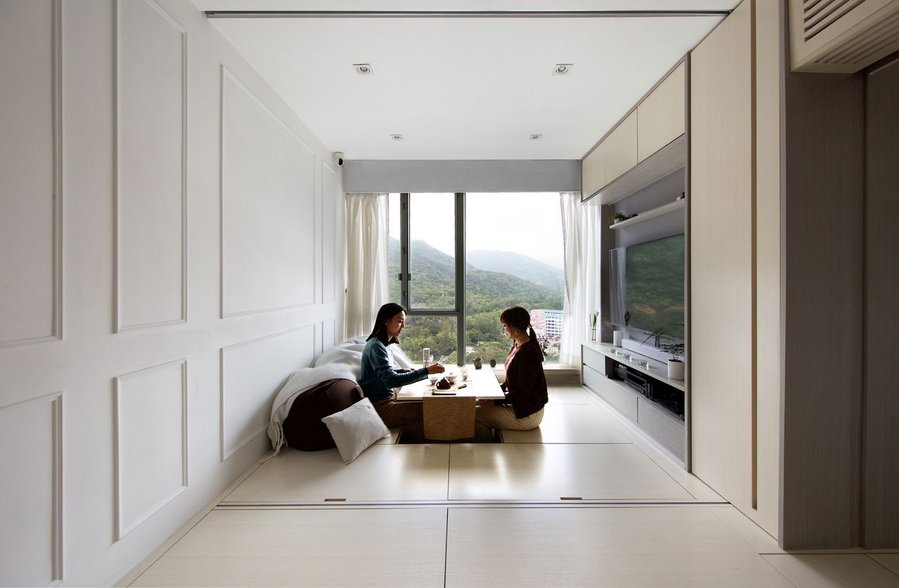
525	385
380	375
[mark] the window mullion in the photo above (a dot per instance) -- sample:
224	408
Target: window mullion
460	278
404	249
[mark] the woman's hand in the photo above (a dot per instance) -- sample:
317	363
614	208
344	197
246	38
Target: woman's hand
436	368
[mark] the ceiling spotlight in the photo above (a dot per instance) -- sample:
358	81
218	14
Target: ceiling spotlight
562	69
396	137
363	69
535	136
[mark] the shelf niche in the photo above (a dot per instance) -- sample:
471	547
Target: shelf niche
650	214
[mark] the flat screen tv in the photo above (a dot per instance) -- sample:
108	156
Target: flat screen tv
647	283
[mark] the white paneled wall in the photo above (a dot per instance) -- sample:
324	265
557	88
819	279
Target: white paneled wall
150	441
193	263
250	371
151	158
330	239
31	555
263	164
29	173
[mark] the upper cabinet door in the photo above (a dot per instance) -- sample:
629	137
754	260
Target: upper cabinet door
836	36
593	172
621	148
660	117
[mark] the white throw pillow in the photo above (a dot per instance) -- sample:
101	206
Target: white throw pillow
354	429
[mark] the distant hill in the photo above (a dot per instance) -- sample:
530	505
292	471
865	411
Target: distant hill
529	283
516	264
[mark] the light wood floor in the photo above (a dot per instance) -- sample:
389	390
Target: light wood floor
586	502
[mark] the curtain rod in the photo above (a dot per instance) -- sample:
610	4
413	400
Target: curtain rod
460	13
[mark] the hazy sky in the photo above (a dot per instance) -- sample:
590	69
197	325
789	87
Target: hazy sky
529	223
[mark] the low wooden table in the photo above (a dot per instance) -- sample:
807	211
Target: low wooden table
449	415
482	384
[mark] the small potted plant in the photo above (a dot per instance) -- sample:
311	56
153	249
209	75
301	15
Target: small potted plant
594	316
618	217
675	364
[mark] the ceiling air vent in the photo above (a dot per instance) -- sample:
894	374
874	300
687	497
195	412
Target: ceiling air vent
842	36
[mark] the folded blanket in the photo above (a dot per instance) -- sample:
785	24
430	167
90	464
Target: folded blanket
350	353
298	382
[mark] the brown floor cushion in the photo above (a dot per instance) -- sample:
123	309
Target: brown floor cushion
303	427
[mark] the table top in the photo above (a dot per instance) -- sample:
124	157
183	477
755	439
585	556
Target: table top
481	384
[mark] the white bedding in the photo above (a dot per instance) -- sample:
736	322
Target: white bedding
344	360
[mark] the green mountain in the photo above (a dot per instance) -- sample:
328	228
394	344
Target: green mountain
488	293
516	264
487	290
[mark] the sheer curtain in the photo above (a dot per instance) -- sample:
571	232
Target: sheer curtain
580	236
366	261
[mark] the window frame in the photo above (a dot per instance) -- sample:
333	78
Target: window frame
405	276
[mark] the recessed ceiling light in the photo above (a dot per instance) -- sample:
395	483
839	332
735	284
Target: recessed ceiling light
562	69
535	137
396	137
363	69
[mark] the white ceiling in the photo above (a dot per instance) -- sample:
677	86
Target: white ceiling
457	87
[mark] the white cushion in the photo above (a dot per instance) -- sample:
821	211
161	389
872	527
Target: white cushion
356	428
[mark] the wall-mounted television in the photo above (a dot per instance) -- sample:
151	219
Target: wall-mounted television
647	286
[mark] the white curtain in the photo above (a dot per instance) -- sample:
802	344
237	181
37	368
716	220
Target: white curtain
366	263
580	236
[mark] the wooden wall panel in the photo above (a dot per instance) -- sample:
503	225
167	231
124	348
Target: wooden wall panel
881	476
721	327
770	57
823	210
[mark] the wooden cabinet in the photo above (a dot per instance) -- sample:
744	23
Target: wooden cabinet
722	278
653	126
593	170
621	148
650	416
842	37
660	117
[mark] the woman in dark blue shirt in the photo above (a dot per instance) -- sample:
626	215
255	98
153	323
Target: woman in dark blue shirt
379	375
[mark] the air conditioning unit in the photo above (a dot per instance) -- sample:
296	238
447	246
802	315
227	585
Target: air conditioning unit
842	36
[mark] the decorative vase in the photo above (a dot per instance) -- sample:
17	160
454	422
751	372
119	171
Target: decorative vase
593	335
675	369
617	337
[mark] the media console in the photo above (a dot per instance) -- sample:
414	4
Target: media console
659	392
638	387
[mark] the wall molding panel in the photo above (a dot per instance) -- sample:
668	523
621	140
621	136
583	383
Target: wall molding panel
151	447
31	176
151	167
32	501
252	373
267	207
329	246
329	334
156	296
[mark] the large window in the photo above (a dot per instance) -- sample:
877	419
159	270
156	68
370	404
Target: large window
457	260
514	257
